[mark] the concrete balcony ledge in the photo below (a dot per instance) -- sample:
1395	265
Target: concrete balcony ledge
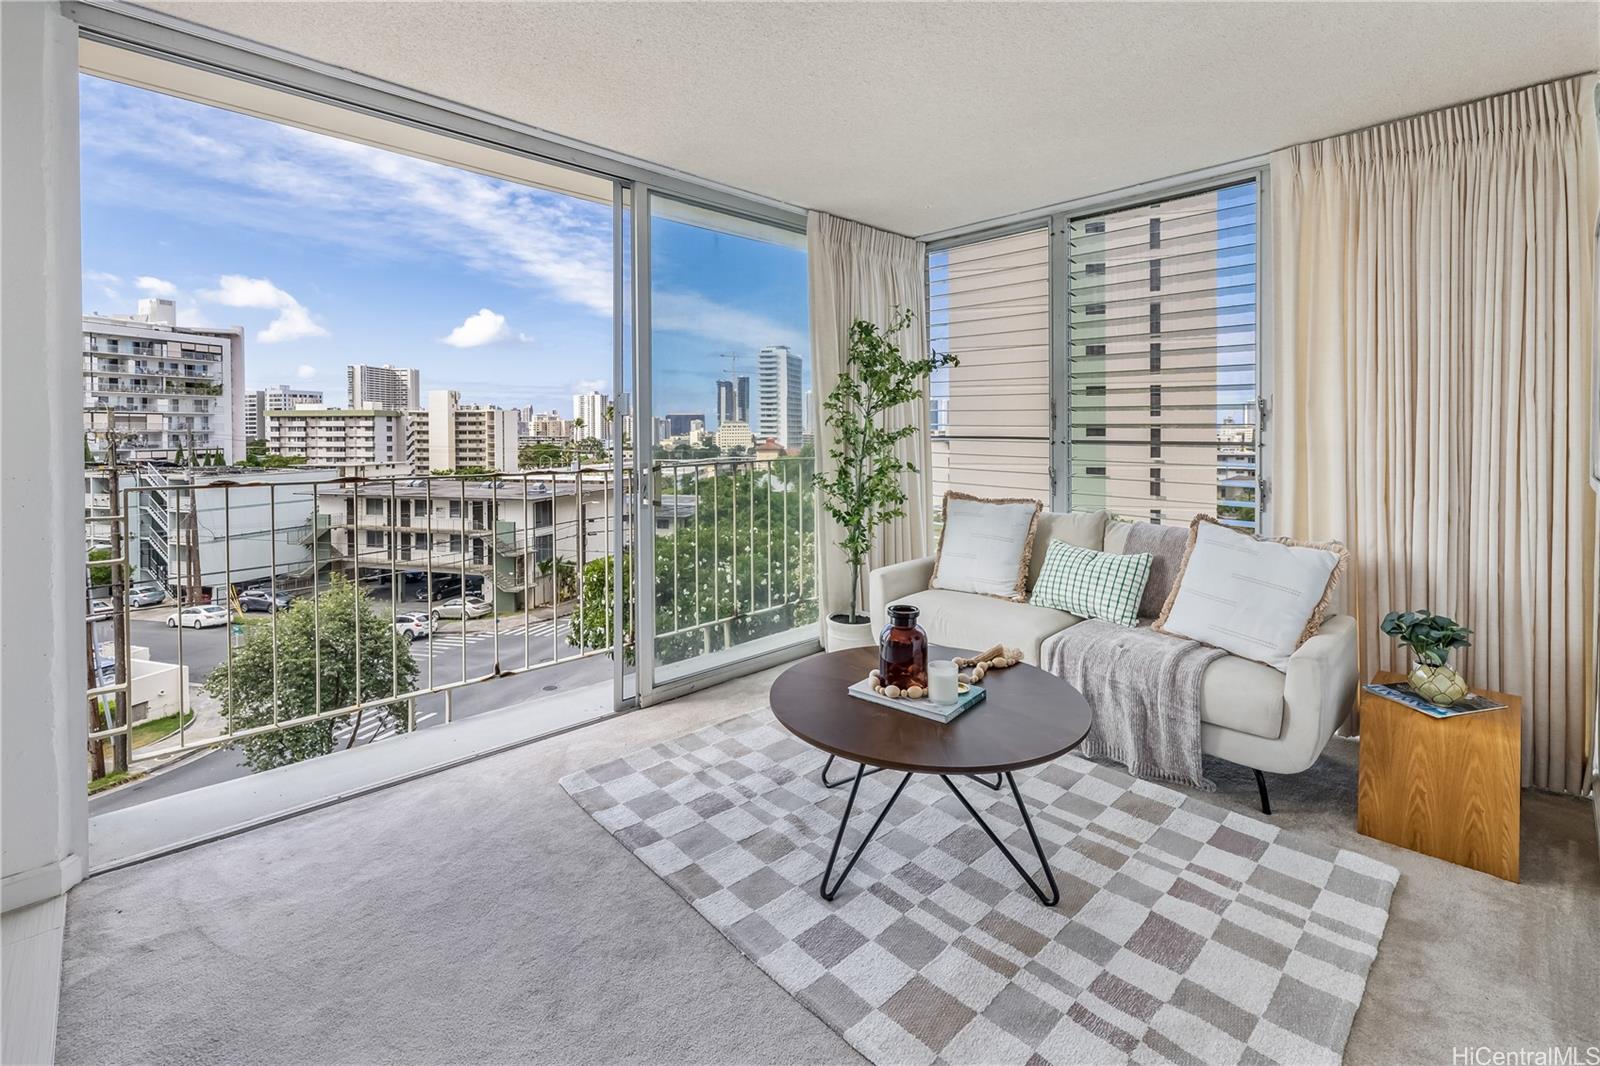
171	823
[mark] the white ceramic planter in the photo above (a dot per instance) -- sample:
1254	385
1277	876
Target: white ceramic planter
842	635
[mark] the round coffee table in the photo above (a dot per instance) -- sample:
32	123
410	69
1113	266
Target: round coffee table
1027	717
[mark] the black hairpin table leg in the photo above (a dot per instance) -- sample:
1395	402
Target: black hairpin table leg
1054	896
844	819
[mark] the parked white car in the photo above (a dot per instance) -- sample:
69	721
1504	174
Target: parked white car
415	625
206	616
456	607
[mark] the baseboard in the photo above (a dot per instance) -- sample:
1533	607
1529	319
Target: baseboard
27	887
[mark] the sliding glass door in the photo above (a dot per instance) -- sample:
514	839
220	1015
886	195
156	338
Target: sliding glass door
723	441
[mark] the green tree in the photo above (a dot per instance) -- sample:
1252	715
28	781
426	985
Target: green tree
863	490
312	676
540	454
734	567
99	576
591	623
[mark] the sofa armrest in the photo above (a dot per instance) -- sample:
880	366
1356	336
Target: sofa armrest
1319	689
887	584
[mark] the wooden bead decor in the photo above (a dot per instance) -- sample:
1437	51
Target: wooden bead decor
996	658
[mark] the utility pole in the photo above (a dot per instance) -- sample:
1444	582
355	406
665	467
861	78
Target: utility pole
119	567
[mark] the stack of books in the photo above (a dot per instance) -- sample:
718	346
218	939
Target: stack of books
1401	692
924	708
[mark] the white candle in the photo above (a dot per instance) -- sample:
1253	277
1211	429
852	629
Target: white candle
942	681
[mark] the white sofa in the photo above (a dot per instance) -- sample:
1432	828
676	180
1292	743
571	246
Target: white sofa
1251	714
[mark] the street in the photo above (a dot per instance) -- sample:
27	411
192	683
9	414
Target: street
455	650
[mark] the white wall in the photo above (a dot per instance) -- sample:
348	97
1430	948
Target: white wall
43	710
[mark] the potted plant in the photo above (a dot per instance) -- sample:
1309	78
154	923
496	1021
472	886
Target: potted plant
1431	637
863	490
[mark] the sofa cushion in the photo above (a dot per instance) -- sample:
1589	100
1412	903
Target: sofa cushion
962	620
1244	696
1165	545
984	546
1085	529
1091	584
1256	598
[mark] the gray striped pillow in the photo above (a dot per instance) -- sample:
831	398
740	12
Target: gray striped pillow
1092	584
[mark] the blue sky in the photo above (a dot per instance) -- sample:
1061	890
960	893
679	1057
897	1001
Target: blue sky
331	252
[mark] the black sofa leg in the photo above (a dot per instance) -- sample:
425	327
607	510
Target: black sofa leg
1261	785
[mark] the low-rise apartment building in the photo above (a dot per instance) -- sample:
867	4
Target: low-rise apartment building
332	436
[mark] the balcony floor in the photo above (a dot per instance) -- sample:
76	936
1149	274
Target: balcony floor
479	914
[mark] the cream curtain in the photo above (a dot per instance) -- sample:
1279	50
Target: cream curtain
1433	286
861	272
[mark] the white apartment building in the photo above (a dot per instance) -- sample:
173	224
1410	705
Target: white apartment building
161	386
548	425
325	436
448	436
591	408
781	406
393	388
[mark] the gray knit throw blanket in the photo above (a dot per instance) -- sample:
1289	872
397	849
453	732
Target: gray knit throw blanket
1144	690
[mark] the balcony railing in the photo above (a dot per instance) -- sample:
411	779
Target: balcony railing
335	655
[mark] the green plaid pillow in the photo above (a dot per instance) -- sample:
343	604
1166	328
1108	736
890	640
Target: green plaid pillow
1092	584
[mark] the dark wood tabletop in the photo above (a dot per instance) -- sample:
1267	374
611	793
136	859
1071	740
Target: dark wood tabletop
1028	717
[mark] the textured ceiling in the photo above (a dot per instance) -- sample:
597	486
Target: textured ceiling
920	117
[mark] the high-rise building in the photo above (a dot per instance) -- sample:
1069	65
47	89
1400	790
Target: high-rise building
325	436
396	388
449	436
678	425
781	400
733	399
591	407
162	387
255	415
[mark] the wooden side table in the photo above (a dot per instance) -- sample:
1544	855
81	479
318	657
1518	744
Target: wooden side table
1450	788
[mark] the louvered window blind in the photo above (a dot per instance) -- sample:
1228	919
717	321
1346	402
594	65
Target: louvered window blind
989	304
1162	359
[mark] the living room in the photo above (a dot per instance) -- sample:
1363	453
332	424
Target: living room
1141	602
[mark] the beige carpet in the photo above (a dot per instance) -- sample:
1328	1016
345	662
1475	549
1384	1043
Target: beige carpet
479	914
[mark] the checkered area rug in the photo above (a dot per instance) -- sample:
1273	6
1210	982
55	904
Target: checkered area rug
1185	933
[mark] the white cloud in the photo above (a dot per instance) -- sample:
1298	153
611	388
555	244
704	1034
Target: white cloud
107	284
156	286
293	322
305	371
485	327
323	190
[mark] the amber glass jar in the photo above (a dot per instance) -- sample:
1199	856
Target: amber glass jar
903	650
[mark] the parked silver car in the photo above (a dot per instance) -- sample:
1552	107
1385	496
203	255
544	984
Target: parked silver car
146	596
471	607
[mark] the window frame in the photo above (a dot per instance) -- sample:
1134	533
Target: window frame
1059	218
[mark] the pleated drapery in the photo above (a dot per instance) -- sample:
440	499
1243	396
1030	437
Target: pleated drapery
1433	280
860	272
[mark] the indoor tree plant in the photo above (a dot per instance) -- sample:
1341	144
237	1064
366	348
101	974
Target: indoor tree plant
1431	638
863	491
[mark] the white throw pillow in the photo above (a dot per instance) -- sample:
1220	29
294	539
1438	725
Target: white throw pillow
1258	599
985	546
